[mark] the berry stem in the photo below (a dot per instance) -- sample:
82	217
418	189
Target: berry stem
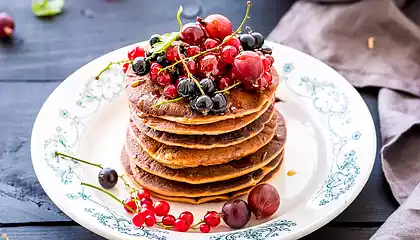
108	193
163	226
167	101
178	18
238	30
194	226
226	90
78	159
108	67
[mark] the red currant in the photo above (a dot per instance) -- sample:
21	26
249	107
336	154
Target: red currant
181	225
192	66
154	73
168	220
188	217
208	64
248	67
144	193
164	79
146	201
138	220
147	211
136	52
228	54
130	203
170	92
266	63
223	83
162	207
261	83
209	43
172	54
204	228
212	218
234	41
192	34
192	51
150	220
125	67
269	57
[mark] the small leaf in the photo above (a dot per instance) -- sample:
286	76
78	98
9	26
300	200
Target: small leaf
166	40
42	8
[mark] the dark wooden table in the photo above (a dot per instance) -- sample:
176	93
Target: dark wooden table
46	51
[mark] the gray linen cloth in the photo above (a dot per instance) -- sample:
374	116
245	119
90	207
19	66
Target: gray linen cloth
337	32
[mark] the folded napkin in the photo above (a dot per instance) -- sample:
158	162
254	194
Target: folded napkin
337	32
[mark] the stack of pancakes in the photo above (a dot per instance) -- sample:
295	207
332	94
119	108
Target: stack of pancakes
182	155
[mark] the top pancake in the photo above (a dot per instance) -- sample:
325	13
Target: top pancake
239	102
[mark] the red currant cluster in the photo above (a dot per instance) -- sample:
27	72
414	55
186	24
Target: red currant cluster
145	212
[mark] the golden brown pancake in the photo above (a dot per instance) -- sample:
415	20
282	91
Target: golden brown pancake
216	128
171	188
178	157
208	142
240	102
206	174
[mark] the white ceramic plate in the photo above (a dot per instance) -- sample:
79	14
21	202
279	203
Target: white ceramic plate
331	145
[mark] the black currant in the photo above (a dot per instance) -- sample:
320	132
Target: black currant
259	39
266	50
186	87
154	58
208	86
219	103
108	178
203	103
163	61
141	66
155	38
247	41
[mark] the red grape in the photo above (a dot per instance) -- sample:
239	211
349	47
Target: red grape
162	207
264	200
234	41
192	51
209	43
236	213
217	26
208	64
228	54
7	25
192	34
248	67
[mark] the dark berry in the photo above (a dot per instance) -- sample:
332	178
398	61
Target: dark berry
266	49
207	85
155	56
247	41
155	38
170	92
219	103
259	39
141	66
7	25
163	61
236	213
186	87
108	178
203	103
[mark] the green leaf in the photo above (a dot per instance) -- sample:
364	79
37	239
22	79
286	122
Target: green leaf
166	40
42	8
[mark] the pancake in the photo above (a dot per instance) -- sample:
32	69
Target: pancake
239	101
208	142
206	174
216	128
171	188
178	157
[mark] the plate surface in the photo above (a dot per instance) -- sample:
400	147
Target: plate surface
331	146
